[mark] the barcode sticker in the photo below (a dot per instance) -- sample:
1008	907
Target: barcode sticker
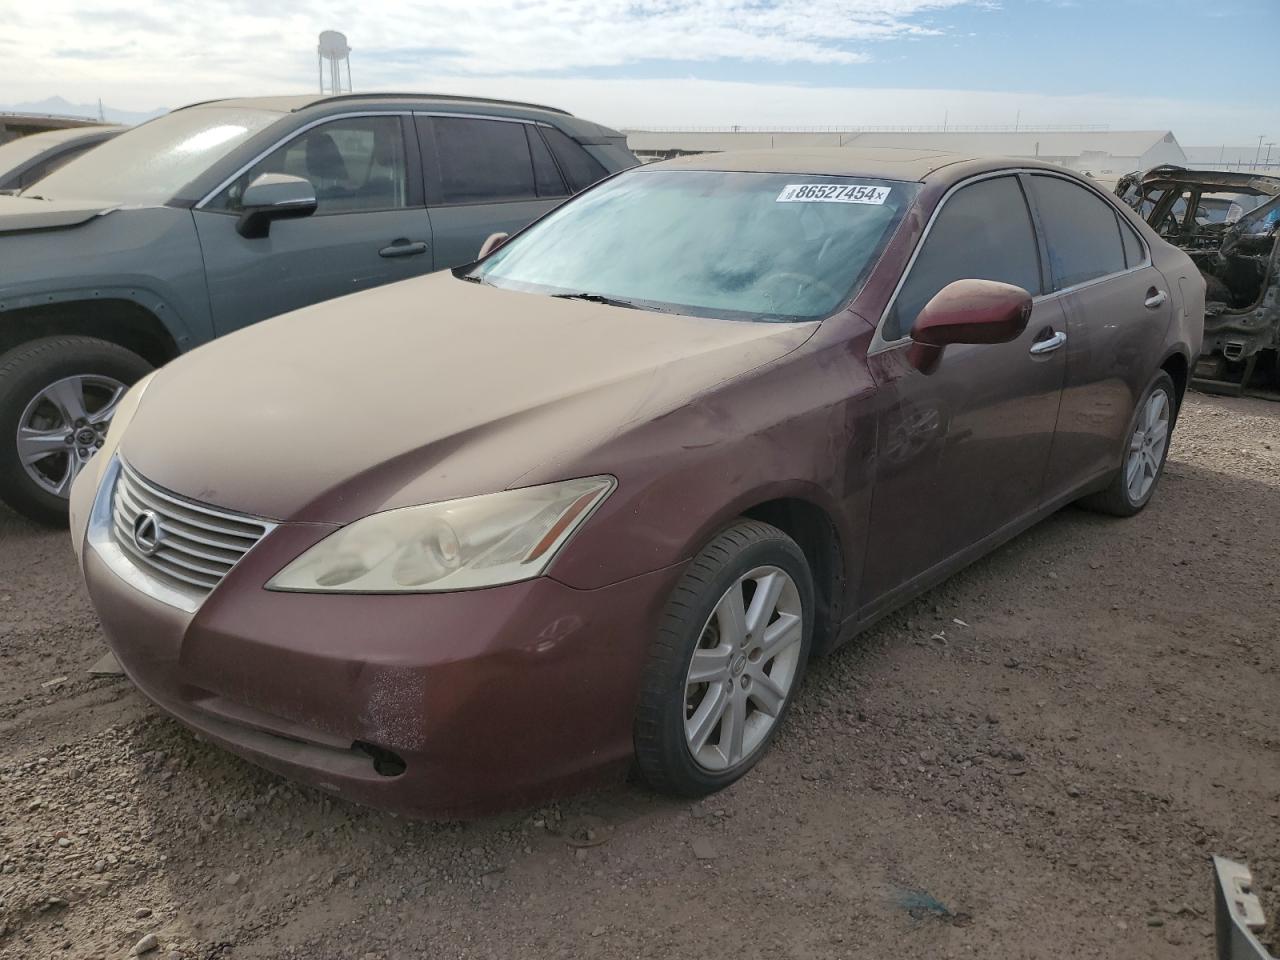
833	193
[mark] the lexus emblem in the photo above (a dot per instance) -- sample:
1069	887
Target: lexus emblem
148	535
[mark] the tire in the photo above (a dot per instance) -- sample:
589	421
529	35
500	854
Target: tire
97	370
1121	498
748	675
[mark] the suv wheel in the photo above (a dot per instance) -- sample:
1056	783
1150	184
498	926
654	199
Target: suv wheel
727	662
57	396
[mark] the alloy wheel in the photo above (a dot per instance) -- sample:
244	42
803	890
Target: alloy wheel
1147	446
743	669
63	426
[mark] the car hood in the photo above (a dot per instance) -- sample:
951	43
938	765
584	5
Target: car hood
419	391
30	213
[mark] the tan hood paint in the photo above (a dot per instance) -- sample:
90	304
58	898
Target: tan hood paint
423	390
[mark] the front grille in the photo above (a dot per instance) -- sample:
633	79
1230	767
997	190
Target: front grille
197	544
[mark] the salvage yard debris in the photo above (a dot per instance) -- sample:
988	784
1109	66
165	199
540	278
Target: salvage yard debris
1227	222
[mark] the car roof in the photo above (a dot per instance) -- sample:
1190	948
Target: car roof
296	102
884	163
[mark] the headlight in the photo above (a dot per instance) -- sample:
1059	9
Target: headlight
455	545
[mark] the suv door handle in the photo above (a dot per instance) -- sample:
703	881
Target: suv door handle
1155	299
1049	344
404	248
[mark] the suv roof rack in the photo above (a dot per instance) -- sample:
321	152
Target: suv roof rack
331	98
441	96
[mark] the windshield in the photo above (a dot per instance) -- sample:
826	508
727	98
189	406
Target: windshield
744	246
151	163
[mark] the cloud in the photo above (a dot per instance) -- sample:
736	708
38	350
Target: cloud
182	40
179	51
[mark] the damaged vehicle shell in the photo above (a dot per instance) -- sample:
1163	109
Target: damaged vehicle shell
1227	223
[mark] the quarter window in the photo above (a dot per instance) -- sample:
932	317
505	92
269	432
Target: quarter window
983	232
1080	231
1133	253
545	173
355	165
581	169
482	161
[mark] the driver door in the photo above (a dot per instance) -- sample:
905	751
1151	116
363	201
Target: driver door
370	226
962	451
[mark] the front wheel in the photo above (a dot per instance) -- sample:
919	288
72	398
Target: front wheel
57	397
727	662
1134	484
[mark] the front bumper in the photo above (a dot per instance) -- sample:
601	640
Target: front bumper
489	698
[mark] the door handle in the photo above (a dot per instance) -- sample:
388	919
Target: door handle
403	248
1155	299
1049	344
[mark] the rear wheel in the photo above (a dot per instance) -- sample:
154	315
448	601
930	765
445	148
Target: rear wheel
57	397
1134	484
728	660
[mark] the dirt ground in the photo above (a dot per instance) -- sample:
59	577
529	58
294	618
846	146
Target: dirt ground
1034	760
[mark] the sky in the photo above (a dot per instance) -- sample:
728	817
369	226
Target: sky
1128	64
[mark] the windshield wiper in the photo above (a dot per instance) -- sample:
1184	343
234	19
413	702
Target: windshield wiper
608	301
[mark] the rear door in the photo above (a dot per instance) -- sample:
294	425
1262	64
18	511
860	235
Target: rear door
962	451
484	175
1117	308
370	227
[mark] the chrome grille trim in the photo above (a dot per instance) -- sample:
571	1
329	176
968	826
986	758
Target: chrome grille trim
200	545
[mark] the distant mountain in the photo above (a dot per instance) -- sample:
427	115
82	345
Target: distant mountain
64	108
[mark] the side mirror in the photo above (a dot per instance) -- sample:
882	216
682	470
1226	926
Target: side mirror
274	196
968	311
492	243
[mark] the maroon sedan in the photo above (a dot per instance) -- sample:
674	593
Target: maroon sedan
457	542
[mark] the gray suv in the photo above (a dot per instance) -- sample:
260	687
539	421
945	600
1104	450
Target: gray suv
224	213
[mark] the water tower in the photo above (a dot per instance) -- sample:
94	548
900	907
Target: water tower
333	51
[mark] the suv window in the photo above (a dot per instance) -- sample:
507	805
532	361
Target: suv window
581	169
355	165
482	161
1080	231
983	232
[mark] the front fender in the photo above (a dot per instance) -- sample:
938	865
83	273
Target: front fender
147	256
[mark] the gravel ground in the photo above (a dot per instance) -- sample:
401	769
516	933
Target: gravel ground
1034	760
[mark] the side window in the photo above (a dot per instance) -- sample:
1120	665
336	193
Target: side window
983	232
1133	252
482	161
545	172
580	168
355	165
1080	232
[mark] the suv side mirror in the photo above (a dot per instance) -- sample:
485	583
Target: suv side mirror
968	311
274	196
491	243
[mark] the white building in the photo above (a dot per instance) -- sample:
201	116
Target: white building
1106	154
